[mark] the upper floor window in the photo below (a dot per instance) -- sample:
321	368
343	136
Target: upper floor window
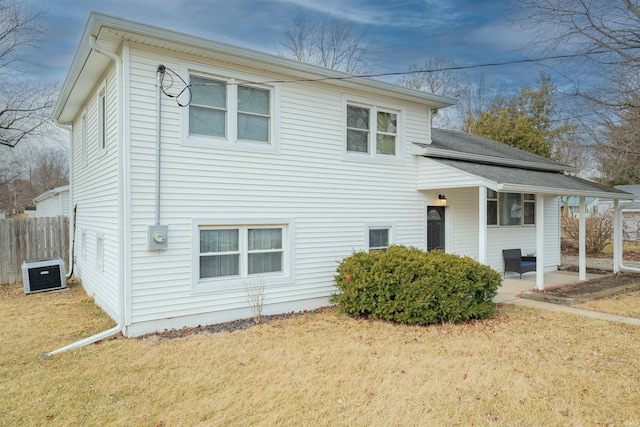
510	209
227	113
83	139
208	108
102	119
373	132
253	113
370	130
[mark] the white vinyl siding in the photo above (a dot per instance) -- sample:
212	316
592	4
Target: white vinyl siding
306	180
432	175
95	190
55	205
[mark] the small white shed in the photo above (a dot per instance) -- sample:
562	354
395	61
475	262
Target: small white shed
53	202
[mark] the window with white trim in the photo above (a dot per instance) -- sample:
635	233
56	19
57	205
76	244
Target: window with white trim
102	118
85	249
372	130
83	139
100	251
230	111
228	254
379	236
510	209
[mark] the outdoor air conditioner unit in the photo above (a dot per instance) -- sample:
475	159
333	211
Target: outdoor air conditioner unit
43	275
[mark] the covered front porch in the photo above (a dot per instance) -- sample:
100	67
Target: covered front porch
514	208
499	197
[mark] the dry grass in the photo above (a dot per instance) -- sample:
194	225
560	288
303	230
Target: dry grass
627	305
628	247
525	367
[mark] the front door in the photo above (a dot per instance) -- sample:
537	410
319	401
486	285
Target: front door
435	228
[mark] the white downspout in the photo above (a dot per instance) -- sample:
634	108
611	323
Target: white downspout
482	224
540	241
121	288
72	211
617	240
582	241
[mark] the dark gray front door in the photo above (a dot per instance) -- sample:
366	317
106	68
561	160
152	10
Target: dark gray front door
435	228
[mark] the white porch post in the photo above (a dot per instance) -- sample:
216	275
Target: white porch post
539	241
617	237
482	224
582	244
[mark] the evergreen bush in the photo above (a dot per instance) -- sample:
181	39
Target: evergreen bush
408	285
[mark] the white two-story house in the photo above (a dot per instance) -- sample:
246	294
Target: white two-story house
197	166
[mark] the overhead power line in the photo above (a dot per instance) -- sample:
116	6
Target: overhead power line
451	68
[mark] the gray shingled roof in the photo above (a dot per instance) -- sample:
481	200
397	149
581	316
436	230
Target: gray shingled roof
633	189
463	142
564	184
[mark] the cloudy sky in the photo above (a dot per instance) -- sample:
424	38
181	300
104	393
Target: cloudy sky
407	31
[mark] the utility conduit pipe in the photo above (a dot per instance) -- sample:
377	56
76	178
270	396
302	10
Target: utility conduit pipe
118	328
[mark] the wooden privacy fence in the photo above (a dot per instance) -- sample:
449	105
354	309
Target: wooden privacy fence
26	239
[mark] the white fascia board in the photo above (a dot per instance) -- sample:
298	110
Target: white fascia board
497	161
98	22
518	188
50	193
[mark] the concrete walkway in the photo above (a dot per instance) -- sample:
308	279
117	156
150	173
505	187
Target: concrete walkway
513	286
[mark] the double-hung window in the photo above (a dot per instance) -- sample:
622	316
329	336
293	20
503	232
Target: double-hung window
241	251
372	131
83	139
229	254
208	108
231	113
102	118
510	209
253	114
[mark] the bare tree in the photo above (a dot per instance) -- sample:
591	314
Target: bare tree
599	42
30	169
476	99
24	105
331	42
435	76
602	34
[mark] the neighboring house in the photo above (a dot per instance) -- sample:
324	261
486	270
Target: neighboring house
630	211
572	206
272	170
53	202
30	211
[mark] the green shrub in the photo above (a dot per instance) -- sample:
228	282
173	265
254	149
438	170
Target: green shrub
412	286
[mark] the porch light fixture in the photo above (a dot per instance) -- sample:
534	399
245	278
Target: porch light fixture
442	200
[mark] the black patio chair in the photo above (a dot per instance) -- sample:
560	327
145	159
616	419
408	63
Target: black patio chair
514	261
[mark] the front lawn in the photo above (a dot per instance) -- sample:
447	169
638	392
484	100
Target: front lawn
523	367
